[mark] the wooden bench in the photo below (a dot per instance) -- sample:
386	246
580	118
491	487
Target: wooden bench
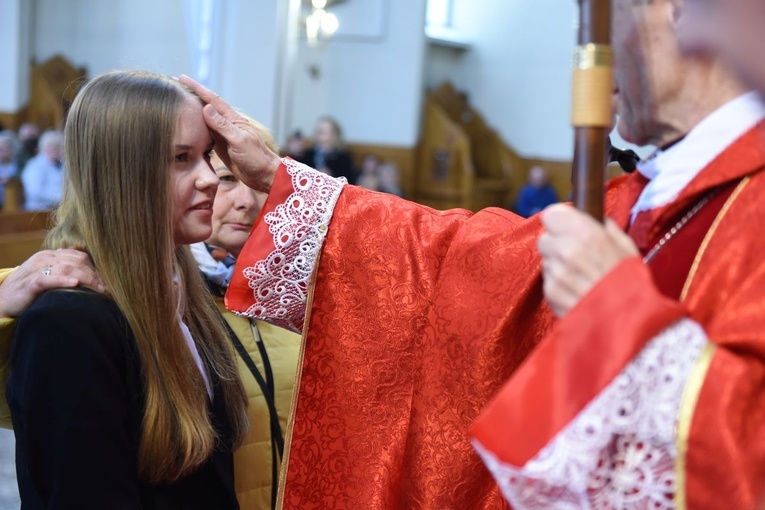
21	235
27	221
17	247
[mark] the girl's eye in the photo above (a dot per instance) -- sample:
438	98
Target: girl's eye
182	158
227	178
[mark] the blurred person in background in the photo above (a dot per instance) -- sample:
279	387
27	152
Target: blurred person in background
536	194
43	175
328	154
9	146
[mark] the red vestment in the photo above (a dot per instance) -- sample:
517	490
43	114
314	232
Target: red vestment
719	424
416	318
413	325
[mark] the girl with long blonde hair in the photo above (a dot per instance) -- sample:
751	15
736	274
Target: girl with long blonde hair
131	400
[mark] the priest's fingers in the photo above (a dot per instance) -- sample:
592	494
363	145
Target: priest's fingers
558	292
621	241
564	219
45	270
209	97
242	150
563	287
577	254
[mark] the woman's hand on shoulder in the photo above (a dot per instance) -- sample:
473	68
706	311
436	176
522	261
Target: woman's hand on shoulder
45	270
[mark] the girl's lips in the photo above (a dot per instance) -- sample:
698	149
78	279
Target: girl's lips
203	206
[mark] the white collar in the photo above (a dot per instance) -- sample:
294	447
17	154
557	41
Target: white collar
672	170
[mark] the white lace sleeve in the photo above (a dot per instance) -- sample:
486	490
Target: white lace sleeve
620	451
299	225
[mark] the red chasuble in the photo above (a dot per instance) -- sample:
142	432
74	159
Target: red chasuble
415	319
413	323
606	346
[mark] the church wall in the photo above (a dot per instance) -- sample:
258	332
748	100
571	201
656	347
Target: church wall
517	71
14	54
146	34
139	34
370	81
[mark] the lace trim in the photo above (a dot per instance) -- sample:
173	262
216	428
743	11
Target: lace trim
299	225
620	451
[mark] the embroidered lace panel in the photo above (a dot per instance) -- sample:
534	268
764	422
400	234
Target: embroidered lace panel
620	451
280	282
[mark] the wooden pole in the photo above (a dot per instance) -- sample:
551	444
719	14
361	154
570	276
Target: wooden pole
591	104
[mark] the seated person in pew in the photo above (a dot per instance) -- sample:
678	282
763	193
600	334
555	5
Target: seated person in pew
43	175
9	146
328	153
536	194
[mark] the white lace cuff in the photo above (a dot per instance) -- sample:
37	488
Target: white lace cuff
620	451
298	226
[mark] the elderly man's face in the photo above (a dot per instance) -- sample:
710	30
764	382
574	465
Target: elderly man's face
647	66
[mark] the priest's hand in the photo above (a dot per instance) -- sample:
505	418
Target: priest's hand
46	270
577	252
237	142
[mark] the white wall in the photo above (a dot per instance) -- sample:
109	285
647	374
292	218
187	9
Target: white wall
15	53
154	35
371	78
247	64
138	34
371	84
517	72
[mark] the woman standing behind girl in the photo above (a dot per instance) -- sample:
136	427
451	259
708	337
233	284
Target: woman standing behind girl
267	355
132	400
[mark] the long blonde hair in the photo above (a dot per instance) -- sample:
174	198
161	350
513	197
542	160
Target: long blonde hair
119	138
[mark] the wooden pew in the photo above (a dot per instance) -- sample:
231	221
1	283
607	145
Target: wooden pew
17	247
21	235
13	200
24	221
54	83
498	169
445	176
405	159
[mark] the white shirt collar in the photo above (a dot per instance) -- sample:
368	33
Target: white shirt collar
672	170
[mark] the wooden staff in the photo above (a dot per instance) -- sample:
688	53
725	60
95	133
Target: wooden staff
591	113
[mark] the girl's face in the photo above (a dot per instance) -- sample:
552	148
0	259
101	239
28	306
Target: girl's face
235	211
193	182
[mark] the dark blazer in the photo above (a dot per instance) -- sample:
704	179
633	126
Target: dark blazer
76	396
339	162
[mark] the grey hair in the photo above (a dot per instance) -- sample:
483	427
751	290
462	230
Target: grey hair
50	137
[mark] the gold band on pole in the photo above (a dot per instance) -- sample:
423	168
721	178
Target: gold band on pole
593	55
593	85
